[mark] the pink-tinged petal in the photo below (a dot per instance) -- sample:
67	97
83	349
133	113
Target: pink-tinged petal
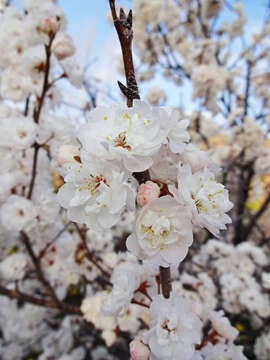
138	351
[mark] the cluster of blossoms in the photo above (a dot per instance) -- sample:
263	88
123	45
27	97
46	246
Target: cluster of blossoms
115	144
137	179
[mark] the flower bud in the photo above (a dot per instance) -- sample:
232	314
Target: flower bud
147	192
62	46
138	351
49	26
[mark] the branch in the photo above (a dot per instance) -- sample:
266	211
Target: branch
123	26
37	112
247	90
25	298
165	279
50	243
39	272
204	27
245	177
257	215
26	108
90	254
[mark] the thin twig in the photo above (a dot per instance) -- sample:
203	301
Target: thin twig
247	90
90	254
37	112
165	279
257	215
50	243
25	298
26	108
36	262
123	26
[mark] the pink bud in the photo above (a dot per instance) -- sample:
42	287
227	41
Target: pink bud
66	154
147	192
49	25
62	46
138	351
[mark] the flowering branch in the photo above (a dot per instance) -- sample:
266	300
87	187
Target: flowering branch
37	111
123	26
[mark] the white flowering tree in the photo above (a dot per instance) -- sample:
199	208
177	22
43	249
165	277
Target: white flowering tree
113	225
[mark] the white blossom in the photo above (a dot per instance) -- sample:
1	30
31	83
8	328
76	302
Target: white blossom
14	267
95	193
126	279
18	132
17	213
206	199
174	328
132	135
162	233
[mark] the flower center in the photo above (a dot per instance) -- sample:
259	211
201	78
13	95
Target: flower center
165	325
120	141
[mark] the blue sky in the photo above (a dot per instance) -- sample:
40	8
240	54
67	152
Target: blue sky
97	41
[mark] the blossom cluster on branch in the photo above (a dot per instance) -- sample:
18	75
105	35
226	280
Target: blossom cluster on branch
118	238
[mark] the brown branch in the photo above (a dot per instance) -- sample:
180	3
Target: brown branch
36	262
26	108
165	280
25	298
37	112
204	27
257	215
43	251
245	177
247	90
134	301
123	26
176	66
90	254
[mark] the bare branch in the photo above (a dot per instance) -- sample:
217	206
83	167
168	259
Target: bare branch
37	112
39	272
25	298
123	26
165	279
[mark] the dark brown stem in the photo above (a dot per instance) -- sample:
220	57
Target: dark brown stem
133	301
25	298
204	27
90	254
39	272
165	279
123	26
257	216
34	170
142	176
37	112
245	178
42	252
26	108
247	90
